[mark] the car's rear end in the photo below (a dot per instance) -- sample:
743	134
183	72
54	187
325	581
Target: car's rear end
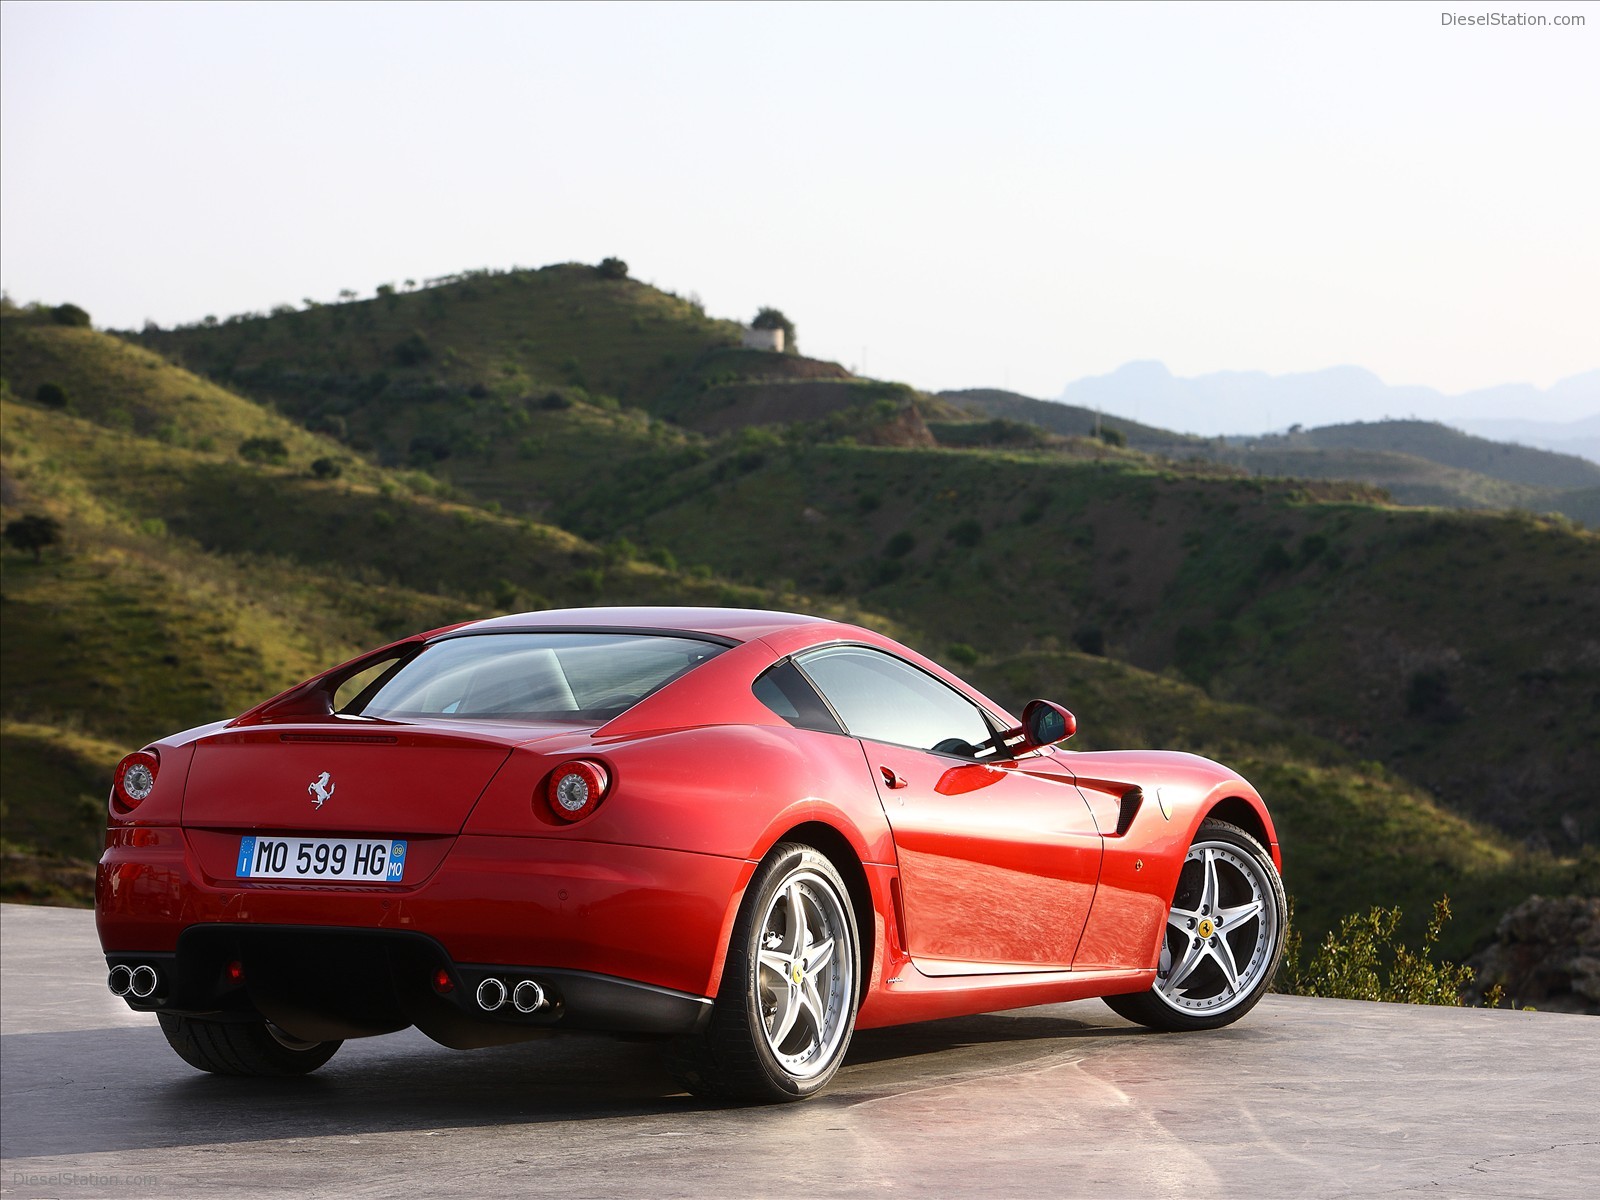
429	850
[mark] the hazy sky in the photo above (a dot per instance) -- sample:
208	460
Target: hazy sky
951	195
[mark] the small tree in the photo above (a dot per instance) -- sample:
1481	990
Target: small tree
413	350
612	268
69	314
264	450
33	532
51	395
326	468
771	318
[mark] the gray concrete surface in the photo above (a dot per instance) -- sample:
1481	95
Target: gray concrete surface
1303	1098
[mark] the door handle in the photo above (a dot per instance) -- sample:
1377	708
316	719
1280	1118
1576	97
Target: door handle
889	777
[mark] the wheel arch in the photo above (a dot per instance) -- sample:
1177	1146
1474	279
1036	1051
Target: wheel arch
1236	810
832	843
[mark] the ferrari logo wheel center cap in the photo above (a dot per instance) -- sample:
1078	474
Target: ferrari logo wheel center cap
797	973
1206	928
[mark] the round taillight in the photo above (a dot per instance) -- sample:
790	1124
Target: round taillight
576	788
136	779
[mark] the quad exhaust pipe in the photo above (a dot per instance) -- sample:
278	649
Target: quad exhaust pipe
526	996
140	982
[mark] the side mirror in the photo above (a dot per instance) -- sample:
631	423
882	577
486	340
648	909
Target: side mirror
1045	724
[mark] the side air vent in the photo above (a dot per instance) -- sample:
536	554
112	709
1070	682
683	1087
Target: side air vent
1131	800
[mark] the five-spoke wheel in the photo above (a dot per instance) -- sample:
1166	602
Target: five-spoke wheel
787	1005
1224	935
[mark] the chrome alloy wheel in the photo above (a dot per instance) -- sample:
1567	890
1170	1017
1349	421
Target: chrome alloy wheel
805	973
1222	931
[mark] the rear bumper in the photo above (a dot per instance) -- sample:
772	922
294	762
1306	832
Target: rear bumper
326	984
630	938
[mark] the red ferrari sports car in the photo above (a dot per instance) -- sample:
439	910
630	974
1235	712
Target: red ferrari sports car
747	833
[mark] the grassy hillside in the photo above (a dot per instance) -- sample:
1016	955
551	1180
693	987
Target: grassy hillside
1457	648
1416	665
190	583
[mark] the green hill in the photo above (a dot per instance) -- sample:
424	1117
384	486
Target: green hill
1451	448
1358	618
1419	668
1416	462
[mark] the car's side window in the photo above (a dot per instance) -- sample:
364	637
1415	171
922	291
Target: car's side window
883	699
786	692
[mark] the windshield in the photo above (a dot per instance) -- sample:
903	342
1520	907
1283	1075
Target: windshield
579	677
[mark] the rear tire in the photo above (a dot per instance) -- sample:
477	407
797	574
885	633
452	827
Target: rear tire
242	1047
1224	936
787	1005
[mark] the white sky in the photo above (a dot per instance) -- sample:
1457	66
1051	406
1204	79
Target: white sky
951	195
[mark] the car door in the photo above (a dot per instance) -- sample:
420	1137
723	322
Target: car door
998	859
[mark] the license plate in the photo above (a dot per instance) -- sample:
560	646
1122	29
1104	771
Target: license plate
322	858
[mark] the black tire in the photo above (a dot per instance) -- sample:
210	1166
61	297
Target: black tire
1226	873
242	1047
786	1008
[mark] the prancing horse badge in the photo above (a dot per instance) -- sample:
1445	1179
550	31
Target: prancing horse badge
320	789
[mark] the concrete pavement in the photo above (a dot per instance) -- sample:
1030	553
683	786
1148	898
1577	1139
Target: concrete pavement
1302	1098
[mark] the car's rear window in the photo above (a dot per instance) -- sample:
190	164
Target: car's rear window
534	676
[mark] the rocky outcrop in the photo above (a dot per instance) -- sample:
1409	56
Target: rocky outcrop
1546	953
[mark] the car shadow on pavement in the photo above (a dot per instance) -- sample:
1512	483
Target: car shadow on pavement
118	1089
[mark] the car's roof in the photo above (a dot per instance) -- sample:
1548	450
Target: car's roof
735	624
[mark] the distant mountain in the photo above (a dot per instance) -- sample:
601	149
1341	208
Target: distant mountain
1581	437
1234	402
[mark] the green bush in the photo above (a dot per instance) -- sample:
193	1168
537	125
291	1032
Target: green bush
900	545
412	350
51	395
69	314
326	468
264	450
1112	436
1363	961
612	268
961	654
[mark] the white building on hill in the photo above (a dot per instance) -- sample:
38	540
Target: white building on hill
763	339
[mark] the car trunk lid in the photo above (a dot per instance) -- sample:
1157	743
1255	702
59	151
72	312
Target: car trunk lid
387	780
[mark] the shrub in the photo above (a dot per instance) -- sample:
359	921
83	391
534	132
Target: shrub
51	395
1112	436
412	350
961	654
69	314
1428	698
326	468
1091	640
900	544
1363	961
554	401
264	450
612	268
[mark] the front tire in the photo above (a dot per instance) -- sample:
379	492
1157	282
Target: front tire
787	1005
251	1048
1224	936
